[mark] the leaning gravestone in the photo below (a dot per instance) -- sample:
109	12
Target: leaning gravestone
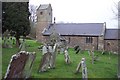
20	65
77	49
82	65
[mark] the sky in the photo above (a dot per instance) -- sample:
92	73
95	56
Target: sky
83	11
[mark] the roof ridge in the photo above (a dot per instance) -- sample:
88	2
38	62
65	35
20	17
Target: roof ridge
43	5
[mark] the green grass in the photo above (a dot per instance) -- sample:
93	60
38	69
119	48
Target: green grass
103	68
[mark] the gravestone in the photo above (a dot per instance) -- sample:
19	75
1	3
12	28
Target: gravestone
92	54
67	57
82	64
20	65
53	56
6	39
77	49
45	60
22	46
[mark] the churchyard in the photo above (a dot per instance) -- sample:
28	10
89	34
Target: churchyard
104	67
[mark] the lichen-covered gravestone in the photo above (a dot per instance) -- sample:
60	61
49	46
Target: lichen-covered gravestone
67	57
82	64
45	60
20	65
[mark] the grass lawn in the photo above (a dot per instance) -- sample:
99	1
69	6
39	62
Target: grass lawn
103	68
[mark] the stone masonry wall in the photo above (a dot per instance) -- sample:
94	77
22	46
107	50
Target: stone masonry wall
113	45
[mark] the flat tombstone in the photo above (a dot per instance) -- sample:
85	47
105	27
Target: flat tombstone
17	65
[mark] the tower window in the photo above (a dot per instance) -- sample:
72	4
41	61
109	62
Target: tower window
41	13
49	13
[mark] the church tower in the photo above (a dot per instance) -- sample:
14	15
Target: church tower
44	19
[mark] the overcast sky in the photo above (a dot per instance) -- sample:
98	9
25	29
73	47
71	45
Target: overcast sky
83	11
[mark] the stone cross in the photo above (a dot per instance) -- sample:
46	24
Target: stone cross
20	65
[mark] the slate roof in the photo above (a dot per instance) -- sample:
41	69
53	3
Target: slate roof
43	6
112	34
76	29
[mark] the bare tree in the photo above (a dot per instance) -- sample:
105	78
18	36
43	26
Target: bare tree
33	17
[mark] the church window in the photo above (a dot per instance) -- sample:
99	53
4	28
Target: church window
89	39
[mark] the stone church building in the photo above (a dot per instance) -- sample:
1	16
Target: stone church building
86	35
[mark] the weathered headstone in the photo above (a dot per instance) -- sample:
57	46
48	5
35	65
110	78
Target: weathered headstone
53	59
82	64
77	49
67	57
6	39
45	60
20	65
93	57
28	67
84	69
22	46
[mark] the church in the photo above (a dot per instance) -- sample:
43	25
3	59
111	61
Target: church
86	35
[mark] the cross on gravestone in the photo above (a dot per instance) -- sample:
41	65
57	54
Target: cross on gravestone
20	65
82	65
